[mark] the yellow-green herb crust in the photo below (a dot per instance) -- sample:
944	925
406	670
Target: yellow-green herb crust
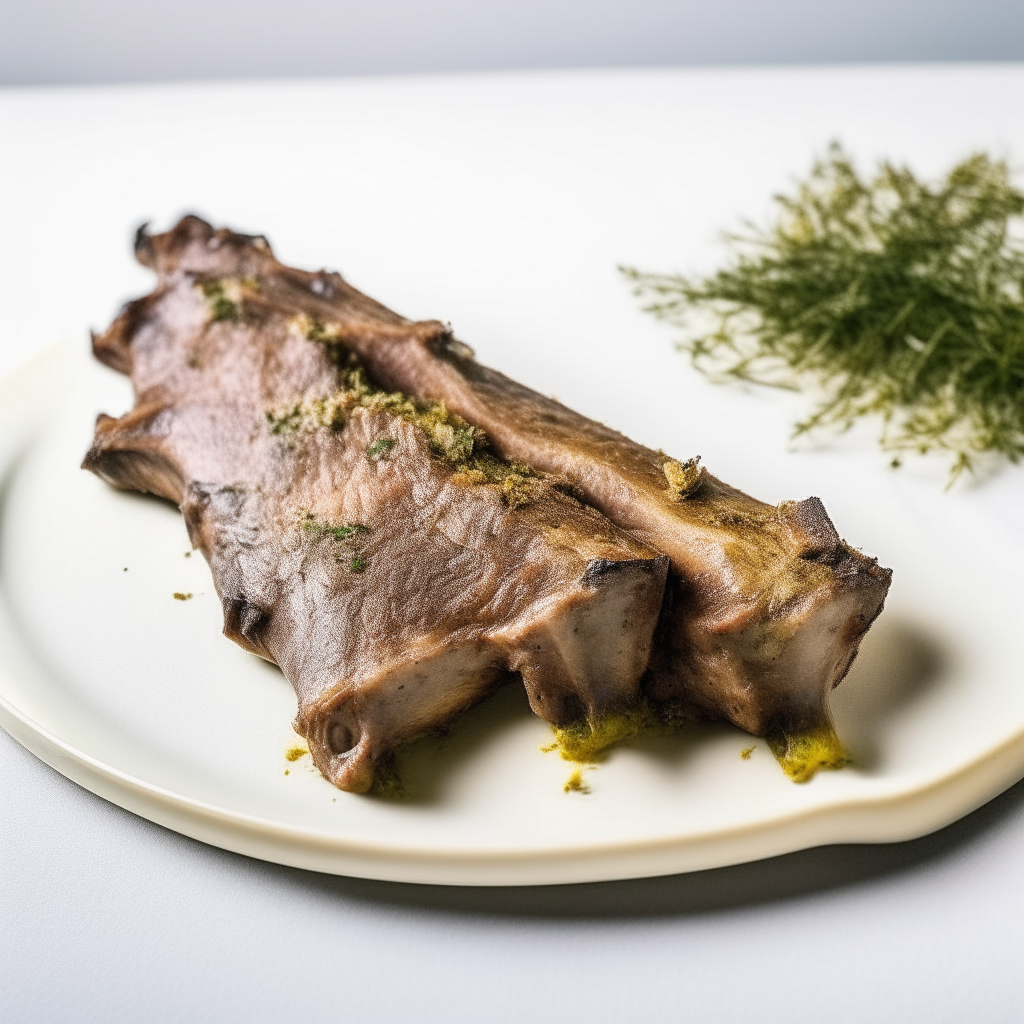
387	784
450	437
684	478
802	754
575	783
588	742
899	298
224	296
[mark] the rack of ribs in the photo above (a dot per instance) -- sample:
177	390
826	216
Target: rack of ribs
396	525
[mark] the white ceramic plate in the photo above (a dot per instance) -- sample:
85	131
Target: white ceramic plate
503	203
138	697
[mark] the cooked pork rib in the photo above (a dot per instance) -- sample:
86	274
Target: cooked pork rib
765	605
361	541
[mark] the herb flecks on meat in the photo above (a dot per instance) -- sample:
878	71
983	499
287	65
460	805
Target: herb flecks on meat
451	438
347	536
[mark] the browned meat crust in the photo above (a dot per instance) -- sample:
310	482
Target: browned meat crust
764	607
394	584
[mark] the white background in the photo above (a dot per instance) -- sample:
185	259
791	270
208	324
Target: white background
106	917
124	40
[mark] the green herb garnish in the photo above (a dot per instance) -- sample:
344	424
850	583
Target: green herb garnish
899	298
344	533
380	448
287	420
221	306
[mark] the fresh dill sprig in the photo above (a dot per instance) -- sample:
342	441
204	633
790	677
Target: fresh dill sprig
899	298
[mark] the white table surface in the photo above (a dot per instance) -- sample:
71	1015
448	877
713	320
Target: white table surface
106	917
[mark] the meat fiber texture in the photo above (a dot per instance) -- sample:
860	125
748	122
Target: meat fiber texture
393	580
760	617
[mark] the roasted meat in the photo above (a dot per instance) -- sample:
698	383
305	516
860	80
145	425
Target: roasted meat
366	542
256	385
765	605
